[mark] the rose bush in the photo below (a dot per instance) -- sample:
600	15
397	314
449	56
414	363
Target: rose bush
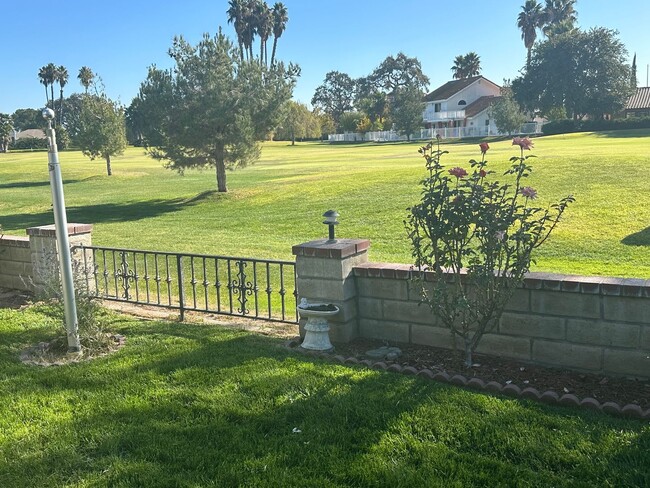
473	238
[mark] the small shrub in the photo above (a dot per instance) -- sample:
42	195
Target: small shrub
93	336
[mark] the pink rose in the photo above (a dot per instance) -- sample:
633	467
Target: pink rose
529	192
484	147
523	142
458	172
482	173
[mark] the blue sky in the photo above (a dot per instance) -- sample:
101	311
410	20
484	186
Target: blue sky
119	39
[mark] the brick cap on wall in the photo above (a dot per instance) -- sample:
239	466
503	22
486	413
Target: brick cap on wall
49	231
14	241
597	285
321	248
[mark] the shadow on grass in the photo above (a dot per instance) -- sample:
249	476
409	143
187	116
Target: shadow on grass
641	238
186	404
108	212
31	184
623	134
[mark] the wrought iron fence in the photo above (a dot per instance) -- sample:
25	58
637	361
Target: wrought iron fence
252	288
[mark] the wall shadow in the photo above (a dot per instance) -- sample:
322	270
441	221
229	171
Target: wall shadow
641	238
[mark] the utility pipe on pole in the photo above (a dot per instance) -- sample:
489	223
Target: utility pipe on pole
61	229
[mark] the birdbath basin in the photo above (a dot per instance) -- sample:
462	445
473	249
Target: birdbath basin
317	327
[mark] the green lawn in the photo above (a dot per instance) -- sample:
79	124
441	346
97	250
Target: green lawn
279	201
192	405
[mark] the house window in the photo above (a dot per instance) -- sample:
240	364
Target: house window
462	102
487	122
437	107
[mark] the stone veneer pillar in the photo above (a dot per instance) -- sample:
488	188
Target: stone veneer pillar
44	255
324	275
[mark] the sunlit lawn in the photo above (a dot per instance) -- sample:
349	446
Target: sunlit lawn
279	201
193	405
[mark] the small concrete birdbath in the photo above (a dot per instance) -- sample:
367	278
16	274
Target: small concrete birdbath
317	328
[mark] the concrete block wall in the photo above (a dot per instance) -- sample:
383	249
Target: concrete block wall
15	262
27	263
592	324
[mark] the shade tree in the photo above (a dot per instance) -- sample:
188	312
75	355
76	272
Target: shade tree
407	106
102	129
336	95
585	73
213	108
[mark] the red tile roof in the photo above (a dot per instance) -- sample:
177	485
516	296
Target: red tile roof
640	100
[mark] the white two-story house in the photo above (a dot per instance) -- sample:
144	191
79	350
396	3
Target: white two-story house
460	108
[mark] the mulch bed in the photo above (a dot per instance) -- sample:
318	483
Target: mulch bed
487	368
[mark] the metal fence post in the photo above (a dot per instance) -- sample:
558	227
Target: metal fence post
181	297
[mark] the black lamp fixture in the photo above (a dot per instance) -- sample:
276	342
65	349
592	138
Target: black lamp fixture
330	221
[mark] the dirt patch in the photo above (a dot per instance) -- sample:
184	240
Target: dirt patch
55	354
504	371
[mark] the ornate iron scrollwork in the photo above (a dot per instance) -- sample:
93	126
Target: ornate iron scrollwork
241	288
125	275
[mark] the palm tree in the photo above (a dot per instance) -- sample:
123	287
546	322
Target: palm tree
50	69
280	19
264	27
62	78
86	77
43	79
472	64
236	17
47	76
466	66
561	16
458	68
250	26
530	19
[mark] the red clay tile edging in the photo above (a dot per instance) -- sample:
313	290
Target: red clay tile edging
548	397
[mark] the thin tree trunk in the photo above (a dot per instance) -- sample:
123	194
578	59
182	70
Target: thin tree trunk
275	43
47	97
468	354
221	170
61	108
109	170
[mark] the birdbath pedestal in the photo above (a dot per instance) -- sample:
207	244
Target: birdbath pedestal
317	327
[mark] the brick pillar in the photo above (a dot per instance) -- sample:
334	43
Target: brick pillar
324	275
44	255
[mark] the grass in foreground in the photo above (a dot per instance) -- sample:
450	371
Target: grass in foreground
190	405
279	201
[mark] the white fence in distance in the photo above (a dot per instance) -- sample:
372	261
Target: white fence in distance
445	133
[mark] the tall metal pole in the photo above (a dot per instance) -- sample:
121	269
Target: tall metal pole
61	229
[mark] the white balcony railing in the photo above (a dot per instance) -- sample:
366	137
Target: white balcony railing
431	116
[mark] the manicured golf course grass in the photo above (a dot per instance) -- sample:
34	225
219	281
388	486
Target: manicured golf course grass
279	201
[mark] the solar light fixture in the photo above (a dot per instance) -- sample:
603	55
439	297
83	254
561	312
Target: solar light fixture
330	221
